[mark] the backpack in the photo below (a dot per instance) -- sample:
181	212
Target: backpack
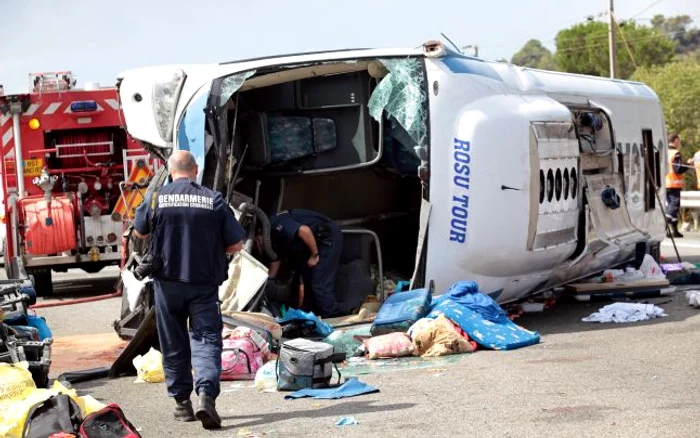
58	413
108	422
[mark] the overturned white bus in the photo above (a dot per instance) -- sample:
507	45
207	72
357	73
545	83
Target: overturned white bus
441	166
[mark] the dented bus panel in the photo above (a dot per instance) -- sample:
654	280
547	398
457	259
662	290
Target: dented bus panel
457	168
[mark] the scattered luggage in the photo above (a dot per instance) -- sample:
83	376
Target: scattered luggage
389	346
400	311
498	334
306	364
438	337
60	414
240	359
109	422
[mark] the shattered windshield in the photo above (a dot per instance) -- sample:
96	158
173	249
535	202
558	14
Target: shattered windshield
402	95
231	84
191	133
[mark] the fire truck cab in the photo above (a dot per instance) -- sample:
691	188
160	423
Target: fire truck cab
70	175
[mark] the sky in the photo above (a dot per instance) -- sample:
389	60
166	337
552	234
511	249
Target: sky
97	39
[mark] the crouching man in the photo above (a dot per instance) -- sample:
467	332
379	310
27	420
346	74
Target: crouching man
192	229
312	244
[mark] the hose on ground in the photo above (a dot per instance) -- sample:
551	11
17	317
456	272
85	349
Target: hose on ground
76	301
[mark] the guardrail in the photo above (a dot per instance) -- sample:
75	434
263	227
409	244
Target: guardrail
690	201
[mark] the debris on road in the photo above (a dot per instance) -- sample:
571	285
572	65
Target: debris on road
149	367
18	394
681	273
693	297
391	345
347	421
626	312
439	337
351	388
266	378
24	337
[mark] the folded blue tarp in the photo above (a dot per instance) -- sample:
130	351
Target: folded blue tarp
351	388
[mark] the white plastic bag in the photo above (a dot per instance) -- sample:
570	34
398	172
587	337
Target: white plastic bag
133	288
266	378
693	297
650	268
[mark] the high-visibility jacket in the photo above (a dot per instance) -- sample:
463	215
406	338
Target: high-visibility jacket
696	161
673	180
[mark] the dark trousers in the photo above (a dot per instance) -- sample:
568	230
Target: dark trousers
200	349
673	204
321	278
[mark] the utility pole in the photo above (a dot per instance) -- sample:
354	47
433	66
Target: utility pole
611	38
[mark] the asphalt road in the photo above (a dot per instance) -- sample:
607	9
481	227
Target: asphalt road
583	379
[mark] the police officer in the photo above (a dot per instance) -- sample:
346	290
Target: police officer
193	229
674	184
312	243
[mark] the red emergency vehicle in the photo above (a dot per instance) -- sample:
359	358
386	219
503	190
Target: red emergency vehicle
71	176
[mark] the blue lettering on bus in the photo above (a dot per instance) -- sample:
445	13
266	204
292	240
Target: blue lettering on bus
460	199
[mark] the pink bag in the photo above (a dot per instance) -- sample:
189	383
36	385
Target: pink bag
387	346
240	359
251	335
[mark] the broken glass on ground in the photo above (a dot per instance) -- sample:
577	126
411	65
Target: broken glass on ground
358	365
343	340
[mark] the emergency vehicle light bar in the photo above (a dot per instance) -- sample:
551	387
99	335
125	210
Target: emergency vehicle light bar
83	106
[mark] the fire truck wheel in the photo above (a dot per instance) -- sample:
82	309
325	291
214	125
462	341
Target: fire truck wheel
42	282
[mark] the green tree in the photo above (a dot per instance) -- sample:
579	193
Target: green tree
679	29
534	55
678	86
583	48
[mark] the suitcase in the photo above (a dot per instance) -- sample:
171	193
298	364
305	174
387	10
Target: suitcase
400	311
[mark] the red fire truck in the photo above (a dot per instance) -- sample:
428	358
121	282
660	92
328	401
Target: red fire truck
71	177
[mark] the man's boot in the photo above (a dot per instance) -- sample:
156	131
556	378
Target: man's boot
206	413
676	233
184	411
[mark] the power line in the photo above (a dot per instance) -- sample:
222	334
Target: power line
626	44
604	35
593	36
646	9
649	37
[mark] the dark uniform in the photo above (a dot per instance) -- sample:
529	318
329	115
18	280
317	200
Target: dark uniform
193	225
319	281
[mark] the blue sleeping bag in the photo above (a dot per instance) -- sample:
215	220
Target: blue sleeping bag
499	333
467	294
